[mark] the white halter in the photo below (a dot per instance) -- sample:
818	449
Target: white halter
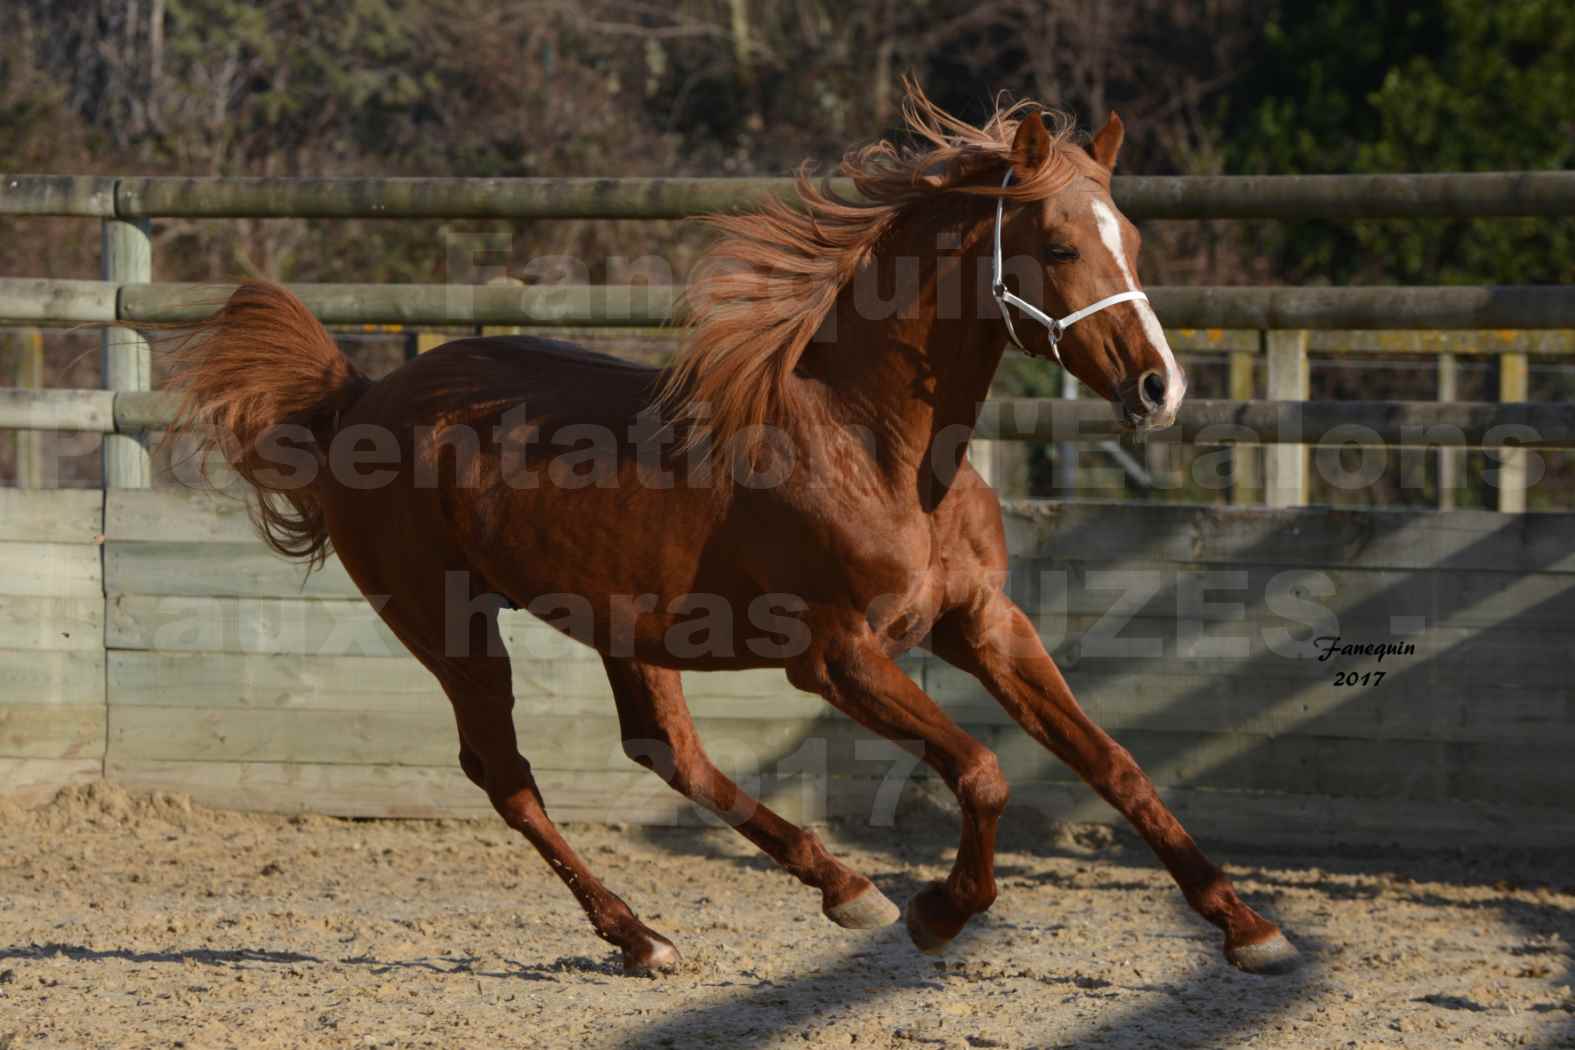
1004	298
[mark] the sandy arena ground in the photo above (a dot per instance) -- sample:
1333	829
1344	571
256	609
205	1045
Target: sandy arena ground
146	922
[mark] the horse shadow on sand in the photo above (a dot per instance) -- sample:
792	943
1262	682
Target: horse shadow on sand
926	830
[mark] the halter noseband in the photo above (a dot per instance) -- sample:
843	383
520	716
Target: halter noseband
1004	298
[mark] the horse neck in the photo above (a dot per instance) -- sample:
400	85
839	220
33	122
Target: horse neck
914	351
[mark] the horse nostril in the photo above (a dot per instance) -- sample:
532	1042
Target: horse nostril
1152	389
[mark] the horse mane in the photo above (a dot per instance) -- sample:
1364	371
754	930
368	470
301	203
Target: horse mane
762	291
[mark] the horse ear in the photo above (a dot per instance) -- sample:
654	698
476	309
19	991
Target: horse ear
1030	146
1107	143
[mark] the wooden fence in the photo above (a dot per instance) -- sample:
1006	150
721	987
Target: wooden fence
146	635
53	710
194	660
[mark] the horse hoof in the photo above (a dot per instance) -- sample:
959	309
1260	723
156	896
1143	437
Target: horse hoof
656	956
924	936
869	910
1273	956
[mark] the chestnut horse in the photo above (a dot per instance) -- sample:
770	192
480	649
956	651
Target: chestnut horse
804	460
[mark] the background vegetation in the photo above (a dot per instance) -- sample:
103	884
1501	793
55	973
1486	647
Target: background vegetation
716	87
596	87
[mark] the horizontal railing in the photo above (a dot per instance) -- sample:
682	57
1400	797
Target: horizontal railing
47	301
1410	424
1283	325
1432	196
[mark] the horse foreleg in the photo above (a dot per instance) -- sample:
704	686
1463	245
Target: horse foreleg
998	645
659	734
855	676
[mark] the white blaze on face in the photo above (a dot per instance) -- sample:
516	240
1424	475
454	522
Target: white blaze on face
1110	233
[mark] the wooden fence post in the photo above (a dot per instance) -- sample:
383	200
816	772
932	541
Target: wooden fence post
1066	451
127	358
1448	458
1513	385
1285	466
1245	476
26	353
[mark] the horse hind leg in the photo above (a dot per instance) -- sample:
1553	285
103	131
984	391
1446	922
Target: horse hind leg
479	687
659	734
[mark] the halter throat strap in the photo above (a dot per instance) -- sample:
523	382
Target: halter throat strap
1055	326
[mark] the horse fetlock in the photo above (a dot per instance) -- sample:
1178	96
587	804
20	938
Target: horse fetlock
932	919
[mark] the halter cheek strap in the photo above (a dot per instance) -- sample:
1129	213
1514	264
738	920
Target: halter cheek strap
1004	297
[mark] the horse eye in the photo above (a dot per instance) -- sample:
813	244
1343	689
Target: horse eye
1060	253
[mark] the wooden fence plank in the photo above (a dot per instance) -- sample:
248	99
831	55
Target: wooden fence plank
66	570
51	731
1395	601
1451	698
31	781
427	737
1313	537
51	515
190	515
1217	591
1172	695
1329	766
58	677
293	681
261	625
46	623
1308	536
1533	773
317	626
249	570
218	569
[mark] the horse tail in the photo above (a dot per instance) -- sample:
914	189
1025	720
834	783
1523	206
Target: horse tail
263	383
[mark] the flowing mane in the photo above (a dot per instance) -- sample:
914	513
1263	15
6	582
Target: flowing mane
761	292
